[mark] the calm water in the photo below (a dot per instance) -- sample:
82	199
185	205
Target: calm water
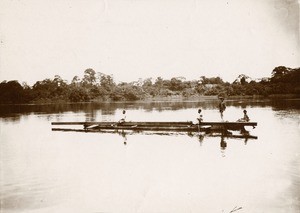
47	171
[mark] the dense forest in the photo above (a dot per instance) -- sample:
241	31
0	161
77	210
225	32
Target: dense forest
95	86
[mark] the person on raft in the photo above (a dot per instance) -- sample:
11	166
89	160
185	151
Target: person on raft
222	106
122	120
200	118
245	118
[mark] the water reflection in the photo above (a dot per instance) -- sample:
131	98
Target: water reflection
47	171
123	134
13	112
223	143
199	135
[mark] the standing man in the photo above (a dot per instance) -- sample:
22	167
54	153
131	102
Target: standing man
222	106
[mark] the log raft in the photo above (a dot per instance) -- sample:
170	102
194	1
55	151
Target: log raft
186	126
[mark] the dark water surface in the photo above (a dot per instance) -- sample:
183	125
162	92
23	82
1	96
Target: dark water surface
49	171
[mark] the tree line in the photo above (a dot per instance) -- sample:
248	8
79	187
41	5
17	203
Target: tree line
95	86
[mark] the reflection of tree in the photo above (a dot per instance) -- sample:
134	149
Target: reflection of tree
107	112
15	119
91	115
110	108
161	106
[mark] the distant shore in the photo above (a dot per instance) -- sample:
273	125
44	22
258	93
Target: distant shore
93	87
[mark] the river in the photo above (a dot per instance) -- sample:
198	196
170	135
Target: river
53	171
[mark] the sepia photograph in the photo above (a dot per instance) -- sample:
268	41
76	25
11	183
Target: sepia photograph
145	106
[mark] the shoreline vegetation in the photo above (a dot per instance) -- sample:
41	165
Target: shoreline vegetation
99	87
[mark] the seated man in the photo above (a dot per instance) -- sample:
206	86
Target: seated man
200	118
122	120
245	118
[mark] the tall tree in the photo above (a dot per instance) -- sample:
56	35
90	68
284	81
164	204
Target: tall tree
280	71
11	92
89	77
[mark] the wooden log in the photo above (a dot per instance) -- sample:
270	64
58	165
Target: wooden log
158	123
185	123
228	123
150	128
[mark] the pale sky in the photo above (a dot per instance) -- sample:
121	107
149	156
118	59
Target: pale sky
133	39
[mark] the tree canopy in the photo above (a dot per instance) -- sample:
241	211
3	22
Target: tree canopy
96	86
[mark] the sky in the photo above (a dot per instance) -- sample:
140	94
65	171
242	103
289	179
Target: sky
132	39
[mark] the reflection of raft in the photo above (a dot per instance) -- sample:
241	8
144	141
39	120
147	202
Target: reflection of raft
163	126
130	132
